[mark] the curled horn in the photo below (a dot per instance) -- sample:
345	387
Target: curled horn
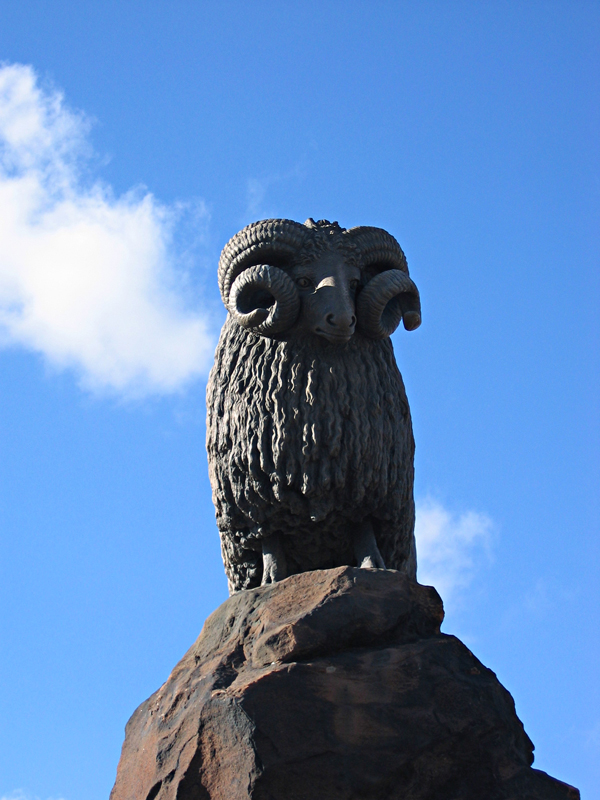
390	296
256	292
265	299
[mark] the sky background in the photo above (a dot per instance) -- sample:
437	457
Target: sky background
135	140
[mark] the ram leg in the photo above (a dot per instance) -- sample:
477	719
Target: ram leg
274	563
365	548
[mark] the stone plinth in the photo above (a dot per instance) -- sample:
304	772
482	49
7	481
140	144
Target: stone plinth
331	685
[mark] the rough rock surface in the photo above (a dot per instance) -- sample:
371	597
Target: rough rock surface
331	685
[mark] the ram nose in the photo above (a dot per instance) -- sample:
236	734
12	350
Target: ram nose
338	325
335	310
341	325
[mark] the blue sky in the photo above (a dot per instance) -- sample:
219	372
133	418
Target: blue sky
135	139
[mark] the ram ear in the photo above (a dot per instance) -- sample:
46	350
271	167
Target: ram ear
264	299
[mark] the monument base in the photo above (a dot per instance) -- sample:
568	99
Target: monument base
331	685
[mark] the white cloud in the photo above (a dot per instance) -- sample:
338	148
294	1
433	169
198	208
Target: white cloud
90	280
450	548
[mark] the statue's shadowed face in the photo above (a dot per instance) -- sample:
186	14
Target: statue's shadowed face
327	289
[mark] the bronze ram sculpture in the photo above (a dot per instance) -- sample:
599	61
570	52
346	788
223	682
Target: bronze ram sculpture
309	434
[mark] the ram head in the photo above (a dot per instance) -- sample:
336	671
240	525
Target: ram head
282	279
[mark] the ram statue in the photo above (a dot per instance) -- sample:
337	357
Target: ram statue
309	435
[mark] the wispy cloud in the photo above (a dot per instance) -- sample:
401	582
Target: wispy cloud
90	280
538	599
450	547
256	190
592	737
257	206
20	794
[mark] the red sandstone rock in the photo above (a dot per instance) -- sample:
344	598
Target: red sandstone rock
331	685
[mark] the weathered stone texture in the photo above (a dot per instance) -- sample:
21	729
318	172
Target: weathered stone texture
330	685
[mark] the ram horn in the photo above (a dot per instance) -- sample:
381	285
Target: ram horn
264	299
388	298
376	248
271	241
390	295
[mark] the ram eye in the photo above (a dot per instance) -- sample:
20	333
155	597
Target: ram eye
304	283
354	284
